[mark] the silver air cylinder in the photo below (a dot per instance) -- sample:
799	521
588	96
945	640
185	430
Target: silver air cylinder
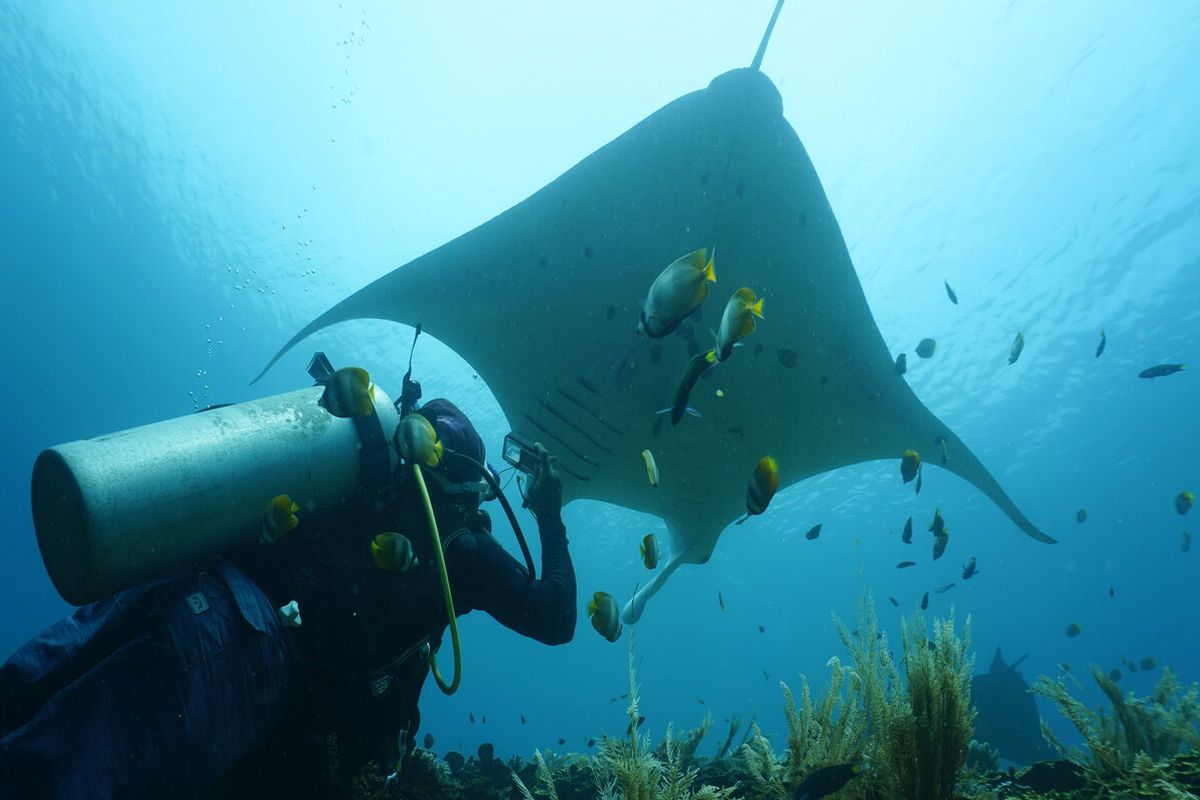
119	509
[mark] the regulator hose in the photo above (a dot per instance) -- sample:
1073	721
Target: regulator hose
440	558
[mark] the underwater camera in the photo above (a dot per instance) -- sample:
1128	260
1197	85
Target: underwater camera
521	453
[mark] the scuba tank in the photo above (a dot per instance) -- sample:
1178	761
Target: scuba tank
120	509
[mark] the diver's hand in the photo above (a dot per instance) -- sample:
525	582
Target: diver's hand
545	491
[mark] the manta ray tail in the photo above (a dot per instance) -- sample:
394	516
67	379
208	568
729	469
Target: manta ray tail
762	47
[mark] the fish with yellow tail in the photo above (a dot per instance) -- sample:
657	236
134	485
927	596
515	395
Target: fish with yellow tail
349	393
910	462
764	482
393	552
738	321
649	550
678	290
651	467
279	518
606	617
417	441
1184	502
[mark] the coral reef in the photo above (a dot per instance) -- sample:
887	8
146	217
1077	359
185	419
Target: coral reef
1133	749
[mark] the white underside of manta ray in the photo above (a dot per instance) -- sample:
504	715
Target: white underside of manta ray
722	167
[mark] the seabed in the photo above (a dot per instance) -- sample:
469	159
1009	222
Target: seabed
907	726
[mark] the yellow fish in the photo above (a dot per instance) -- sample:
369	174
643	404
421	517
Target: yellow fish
909	464
393	552
1184	501
738	321
349	393
764	482
649	551
651	467
678	291
279	518
606	619
417	441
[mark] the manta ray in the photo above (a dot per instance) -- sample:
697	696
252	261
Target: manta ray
1008	717
544	299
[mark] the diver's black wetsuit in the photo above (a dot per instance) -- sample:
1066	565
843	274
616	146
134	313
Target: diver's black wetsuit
358	665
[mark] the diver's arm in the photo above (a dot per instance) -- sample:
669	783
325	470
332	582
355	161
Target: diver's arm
497	583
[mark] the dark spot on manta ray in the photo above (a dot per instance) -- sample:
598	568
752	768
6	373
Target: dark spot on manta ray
802	219
704	178
740	190
758	348
655	353
587	251
787	358
610	312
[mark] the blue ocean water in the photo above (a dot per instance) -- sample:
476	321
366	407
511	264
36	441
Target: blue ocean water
184	187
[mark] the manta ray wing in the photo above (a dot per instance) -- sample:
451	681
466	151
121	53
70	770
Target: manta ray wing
543	298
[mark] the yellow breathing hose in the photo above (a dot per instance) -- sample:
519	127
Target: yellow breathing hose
452	687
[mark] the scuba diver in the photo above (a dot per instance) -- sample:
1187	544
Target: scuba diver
291	666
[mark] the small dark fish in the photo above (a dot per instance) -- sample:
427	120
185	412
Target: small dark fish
1064	666
696	367
1017	346
926	347
918	487
1103	342
901	364
1081	516
1185	543
630	727
471	716
1162	370
950	293
938	526
1115	675
428	741
939	545
825	781
788	358
943	589
1148	664
700	700
766	675
1132	666
721	600
925	601
591	742
1112	592
969	569
483	720
523	716
561	741
813	532
1074	629
906	564
940	441
893	601
906	537
1184	502
761	629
